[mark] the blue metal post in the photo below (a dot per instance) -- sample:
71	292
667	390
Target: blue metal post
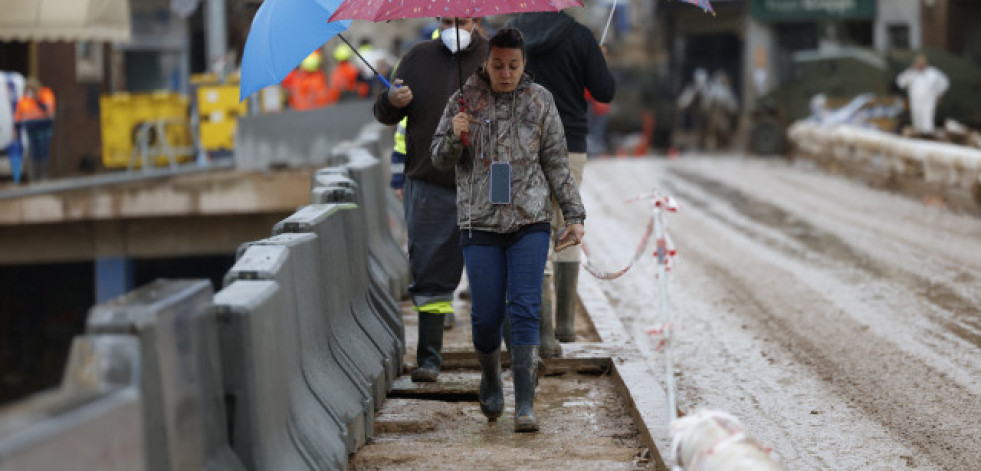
113	277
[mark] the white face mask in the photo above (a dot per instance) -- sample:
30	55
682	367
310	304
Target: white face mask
449	39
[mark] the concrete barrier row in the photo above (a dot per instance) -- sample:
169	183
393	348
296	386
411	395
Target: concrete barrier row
333	282
947	172
283	368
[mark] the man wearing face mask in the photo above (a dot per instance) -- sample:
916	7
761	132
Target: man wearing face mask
422	82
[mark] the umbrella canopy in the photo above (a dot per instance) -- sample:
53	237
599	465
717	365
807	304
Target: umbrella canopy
283	33
384	10
703	4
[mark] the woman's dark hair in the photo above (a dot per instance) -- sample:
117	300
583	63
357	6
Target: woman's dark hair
507	38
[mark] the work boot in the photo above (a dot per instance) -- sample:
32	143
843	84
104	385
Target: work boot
491	388
550	348
449	320
524	370
428	350
566	277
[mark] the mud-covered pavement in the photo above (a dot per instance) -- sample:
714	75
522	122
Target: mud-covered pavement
586	424
841	324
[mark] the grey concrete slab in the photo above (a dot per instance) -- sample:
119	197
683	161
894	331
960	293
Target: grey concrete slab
297	138
367	171
276	423
184	423
335	188
94	420
326	373
365	337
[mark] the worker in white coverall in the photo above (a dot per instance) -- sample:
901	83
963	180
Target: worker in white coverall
926	85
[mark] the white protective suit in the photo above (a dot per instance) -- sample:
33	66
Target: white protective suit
924	87
11	89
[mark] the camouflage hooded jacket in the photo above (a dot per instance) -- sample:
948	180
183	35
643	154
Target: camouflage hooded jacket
521	127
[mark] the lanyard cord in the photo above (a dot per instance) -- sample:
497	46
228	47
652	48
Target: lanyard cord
493	130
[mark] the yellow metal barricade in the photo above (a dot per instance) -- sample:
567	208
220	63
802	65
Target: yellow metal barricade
218	111
145	127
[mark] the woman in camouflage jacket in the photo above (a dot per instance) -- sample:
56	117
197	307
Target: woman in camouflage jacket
509	124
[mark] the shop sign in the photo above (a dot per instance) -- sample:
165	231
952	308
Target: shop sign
808	10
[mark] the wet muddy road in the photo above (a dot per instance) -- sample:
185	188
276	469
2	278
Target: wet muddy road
841	324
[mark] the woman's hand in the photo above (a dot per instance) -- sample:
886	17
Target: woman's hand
571	235
461	124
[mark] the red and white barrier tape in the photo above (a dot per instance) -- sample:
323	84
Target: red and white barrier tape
659	203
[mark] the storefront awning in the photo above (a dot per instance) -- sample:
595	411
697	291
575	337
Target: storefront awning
64	20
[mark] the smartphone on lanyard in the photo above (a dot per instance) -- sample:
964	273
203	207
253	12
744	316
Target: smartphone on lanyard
500	183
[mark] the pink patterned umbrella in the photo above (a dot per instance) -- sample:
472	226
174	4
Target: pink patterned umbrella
384	10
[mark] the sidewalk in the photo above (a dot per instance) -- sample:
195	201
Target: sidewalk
584	404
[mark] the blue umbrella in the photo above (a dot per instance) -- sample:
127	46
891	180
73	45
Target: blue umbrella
283	33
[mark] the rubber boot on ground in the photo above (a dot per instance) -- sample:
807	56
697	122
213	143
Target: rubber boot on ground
524	368
566	278
491	387
429	348
549	347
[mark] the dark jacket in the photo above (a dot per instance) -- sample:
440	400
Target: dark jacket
432	73
521	127
564	57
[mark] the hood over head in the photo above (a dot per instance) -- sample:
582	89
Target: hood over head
543	30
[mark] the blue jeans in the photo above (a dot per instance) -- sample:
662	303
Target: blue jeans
39	138
506	281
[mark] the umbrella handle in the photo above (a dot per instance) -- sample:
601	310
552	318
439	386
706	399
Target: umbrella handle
465	136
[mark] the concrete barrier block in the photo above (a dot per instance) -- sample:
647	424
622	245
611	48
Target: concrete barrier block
367	172
326	175
338	189
370	342
381	259
184	422
396	220
297	138
94	420
326	373
370	137
276	422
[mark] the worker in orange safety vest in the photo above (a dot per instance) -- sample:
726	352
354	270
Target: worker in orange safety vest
35	115
344	81
306	86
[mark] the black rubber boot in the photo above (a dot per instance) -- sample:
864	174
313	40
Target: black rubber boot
429	348
549	347
524	368
566	277
491	388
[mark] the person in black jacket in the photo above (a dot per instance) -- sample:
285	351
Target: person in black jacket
422	82
564	57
